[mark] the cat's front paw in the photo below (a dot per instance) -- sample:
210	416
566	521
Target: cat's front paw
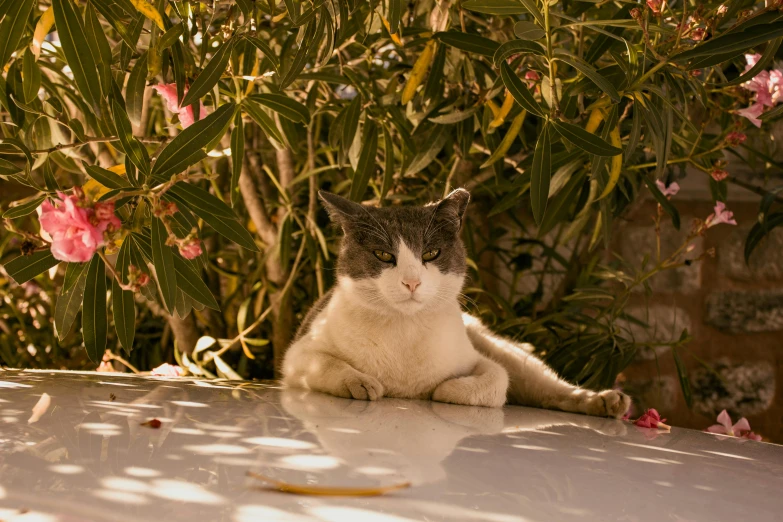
363	387
608	403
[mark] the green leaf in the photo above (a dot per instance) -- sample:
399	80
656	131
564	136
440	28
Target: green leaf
284	106
468	42
557	209
134	91
300	59
455	116
31	77
163	259
24	268
541	175
94	316
77	53
70	299
350	123
229	228
366	166
589	71
24	209
761	64
265	50
514	47
170	36
132	147
264	121
185	149
519	91
107	178
72	273
224	370
12	27
495	7
197	197
209	75
99	46
427	154
237	155
395	14
586	141
759	231
7	168
734	42
49	180
528	31
191	282
682	374
388	171
123	306
665	203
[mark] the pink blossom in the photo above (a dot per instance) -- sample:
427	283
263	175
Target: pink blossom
698	33
190	248
752	113
669	191
651	419
76	231
721	215
106	367
735	138
766	84
656	6
741	429
168	92
723	9
168	370
719	174
532	75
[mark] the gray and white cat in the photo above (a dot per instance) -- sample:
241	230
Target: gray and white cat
393	327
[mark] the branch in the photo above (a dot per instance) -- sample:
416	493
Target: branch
94	139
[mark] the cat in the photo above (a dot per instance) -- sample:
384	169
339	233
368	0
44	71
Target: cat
392	325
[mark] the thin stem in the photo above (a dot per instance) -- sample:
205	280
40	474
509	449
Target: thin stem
119	359
94	139
549	53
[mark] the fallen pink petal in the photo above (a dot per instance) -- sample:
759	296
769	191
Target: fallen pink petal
725	427
651	419
669	191
168	370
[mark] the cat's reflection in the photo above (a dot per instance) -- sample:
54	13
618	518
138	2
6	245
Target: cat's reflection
410	438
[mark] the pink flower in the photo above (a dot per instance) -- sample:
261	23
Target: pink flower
741	429
164	208
532	75
168	92
656	6
168	370
723	9
766	84
669	191
698	33
719	174
105	366
752	113
190	248
735	138
721	215
76	231
651	419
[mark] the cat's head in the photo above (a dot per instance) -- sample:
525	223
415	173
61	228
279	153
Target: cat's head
403	259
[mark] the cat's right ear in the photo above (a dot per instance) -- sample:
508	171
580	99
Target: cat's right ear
341	210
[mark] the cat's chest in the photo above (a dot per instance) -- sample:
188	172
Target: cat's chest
409	357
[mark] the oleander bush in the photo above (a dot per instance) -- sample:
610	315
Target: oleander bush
161	159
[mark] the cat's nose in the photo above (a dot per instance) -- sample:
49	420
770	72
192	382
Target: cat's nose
411	284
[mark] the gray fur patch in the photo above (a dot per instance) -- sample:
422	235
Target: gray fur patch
435	226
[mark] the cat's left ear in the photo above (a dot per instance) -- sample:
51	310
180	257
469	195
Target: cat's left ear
454	205
341	210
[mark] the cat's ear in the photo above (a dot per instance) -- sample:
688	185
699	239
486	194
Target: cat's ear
454	205
341	210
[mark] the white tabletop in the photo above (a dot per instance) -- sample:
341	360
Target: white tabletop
88	457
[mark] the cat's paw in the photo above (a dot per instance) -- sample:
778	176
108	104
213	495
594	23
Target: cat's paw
608	403
363	387
470	391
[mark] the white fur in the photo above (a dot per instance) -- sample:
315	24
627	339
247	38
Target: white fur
376	338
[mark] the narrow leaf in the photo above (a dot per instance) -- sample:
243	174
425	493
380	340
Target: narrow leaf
283	105
665	203
132	147
107	178
237	155
519	91
586	141
589	71
94	315
366	166
24	268
123	306
468	42
185	150
70	301
77	53
541	174
24	209
163	259
134	91
209	75
191	282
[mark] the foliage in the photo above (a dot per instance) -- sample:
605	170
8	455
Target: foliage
559	116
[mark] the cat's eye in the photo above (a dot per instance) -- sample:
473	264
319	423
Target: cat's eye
430	255
383	256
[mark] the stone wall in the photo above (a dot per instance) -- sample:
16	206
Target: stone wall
733	311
